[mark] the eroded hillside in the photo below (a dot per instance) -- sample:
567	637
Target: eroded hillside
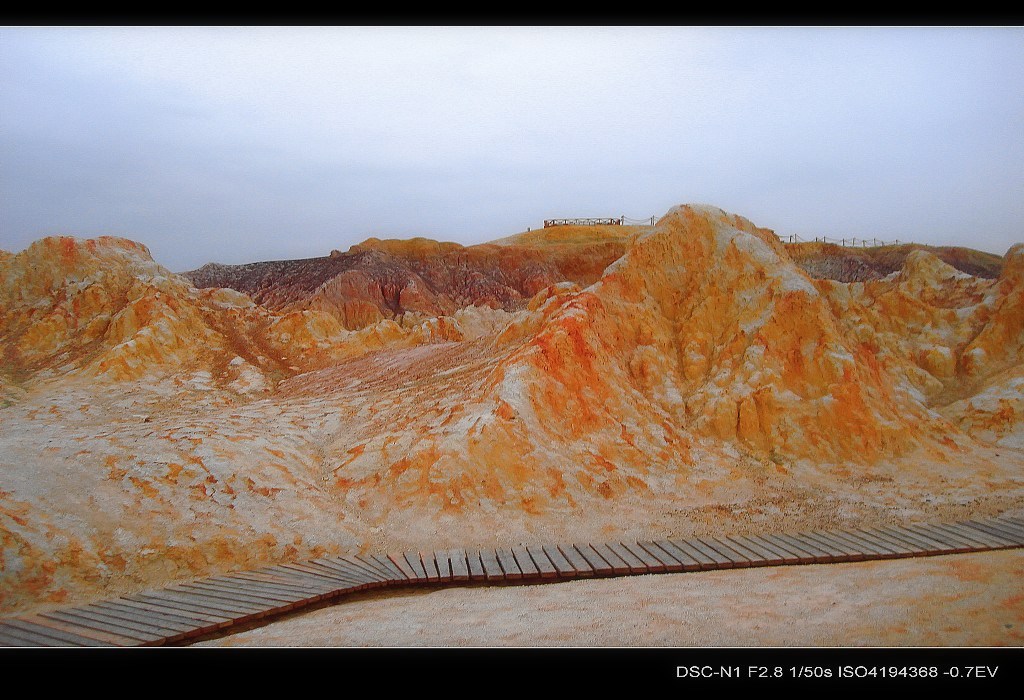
564	384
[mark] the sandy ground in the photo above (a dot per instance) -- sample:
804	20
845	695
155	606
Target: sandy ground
957	600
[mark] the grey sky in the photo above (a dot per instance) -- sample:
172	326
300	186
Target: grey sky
241	144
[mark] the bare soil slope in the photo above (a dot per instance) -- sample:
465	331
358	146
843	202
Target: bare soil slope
558	385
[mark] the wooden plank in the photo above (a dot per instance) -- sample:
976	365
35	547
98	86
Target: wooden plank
292	580
765	556
675	560
754	557
894	543
296	592
259	590
544	565
62	634
399	561
508	564
822	554
32	636
613	559
525	562
671	564
953	546
769	557
980	540
259	606
581	567
192	601
785	556
269	601
371	568
154	620
257	582
789	548
899	545
684	546
362	567
96	622
9	638
329	567
1007	534
865	533
856	551
127	620
1005	525
940	541
397	575
837	549
722	543
563	567
171	630
384	565
868	550
598	565
650	562
924	544
86	636
300	574
636	564
749	555
887	534
430	566
444	565
277	577
344	568
416	565
202	620
688	562
171	600
721	561
492	569
433	566
476	567
310	573
98	638
994	541
249	589
368	560
460	568
962	543
800	548
315	573
738	561
901	551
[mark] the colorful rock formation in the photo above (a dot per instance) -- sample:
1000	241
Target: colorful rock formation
563	383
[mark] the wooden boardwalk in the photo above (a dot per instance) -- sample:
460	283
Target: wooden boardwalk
184	611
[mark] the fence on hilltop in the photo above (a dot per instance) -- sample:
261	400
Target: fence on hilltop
853	242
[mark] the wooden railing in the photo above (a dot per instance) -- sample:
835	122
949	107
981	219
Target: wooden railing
548	223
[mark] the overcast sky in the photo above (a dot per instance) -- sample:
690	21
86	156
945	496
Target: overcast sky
241	144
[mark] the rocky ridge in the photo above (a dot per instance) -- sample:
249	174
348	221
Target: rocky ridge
563	383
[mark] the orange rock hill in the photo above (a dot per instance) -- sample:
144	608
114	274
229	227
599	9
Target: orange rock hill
561	383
